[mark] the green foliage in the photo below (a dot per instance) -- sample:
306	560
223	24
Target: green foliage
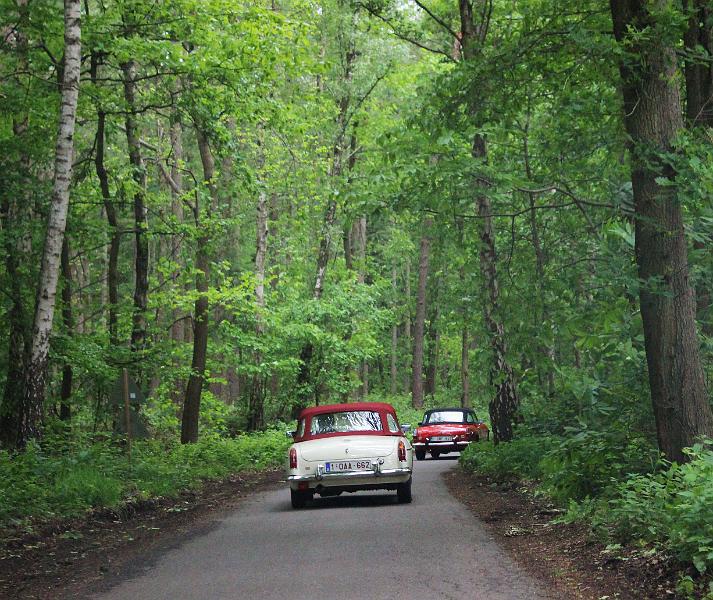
519	459
585	462
68	475
671	509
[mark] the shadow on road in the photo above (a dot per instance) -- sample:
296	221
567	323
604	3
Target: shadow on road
354	500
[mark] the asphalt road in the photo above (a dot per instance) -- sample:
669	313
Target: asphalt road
354	547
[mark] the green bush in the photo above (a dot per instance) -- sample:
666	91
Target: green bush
68	475
588	461
519	459
672	509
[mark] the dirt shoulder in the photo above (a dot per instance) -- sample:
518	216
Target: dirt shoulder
563	556
65	558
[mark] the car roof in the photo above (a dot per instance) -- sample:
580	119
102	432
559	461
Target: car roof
457	408
347	406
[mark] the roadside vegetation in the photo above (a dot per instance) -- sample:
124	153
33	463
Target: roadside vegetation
629	497
66	473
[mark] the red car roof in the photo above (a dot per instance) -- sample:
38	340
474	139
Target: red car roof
327	408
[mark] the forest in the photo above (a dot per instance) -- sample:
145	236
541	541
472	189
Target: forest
253	206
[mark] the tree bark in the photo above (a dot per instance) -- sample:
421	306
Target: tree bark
330	216
16	208
196	381
408	375
141	263
65	411
257	397
434	339
394	335
465	368
36	373
653	119
503	407
176	140
112	277
541	314
418	330
699	68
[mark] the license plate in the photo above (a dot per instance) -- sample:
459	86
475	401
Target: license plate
442	438
343	466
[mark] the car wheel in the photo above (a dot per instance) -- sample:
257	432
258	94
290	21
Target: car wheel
403	492
420	454
299	499
435	454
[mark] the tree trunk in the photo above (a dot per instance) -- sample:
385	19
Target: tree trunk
698	40
16	208
176	140
394	335
503	407
141	286
256	408
699	66
65	412
194	389
465	368
434	339
36	373
330	216
407	322
653	119
541	314
112	278
417	364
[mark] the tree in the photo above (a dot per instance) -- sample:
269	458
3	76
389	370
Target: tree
36	372
653	119
419	323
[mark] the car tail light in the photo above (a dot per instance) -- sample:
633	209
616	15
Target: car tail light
293	458
402	450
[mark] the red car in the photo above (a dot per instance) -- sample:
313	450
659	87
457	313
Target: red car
445	430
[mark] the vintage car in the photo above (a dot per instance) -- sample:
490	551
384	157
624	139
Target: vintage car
346	448
445	430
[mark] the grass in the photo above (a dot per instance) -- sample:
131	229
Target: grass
64	477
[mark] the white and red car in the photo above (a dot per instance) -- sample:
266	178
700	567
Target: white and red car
346	448
445	430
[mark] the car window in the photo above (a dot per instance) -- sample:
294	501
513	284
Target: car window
300	428
470	417
445	416
393	425
344	422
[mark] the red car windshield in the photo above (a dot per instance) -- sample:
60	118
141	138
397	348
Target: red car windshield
345	422
448	416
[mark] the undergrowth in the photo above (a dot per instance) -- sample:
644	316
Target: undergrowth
65	476
618	486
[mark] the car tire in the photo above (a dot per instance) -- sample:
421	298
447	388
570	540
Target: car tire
403	492
435	455
299	499
420	454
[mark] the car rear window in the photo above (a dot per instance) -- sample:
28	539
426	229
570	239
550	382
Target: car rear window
445	416
344	422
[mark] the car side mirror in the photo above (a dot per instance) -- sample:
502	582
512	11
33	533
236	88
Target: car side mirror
290	434
405	428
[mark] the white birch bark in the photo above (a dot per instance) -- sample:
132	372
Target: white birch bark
36	375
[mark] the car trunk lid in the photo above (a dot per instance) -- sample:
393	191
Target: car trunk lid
352	446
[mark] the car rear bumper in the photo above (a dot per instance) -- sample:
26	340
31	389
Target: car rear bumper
442	446
368	479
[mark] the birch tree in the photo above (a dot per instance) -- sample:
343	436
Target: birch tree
36	373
